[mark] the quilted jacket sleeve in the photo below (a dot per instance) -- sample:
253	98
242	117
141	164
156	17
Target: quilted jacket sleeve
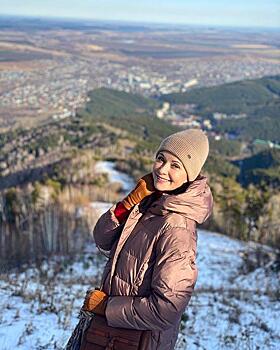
173	281
107	230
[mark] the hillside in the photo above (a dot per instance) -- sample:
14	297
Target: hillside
238	307
233	98
261	168
42	302
258	100
108	119
133	113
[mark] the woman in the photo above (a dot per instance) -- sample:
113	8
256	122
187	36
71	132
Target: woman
151	236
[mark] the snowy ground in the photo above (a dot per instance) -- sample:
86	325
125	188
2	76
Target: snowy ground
114	175
39	306
231	308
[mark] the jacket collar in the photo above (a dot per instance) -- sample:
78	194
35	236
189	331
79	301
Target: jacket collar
196	202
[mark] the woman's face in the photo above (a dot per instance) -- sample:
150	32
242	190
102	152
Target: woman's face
168	172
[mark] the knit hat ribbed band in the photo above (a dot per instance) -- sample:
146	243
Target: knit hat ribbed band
191	147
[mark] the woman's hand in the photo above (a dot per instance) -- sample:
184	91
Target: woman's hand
96	302
143	188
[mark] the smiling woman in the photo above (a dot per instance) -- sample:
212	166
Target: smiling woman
150	237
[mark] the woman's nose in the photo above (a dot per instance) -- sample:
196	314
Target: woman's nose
163	169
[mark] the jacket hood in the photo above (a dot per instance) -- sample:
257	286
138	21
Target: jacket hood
195	203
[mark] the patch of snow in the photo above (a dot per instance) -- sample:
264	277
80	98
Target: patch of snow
224	313
39	307
108	167
101	207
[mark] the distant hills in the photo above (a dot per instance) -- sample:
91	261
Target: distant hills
258	99
39	23
135	115
112	115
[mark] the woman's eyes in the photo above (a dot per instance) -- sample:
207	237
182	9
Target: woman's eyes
173	165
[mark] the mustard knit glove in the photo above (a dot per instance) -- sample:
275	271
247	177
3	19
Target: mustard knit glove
96	302
143	188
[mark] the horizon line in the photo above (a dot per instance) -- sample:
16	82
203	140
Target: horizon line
135	23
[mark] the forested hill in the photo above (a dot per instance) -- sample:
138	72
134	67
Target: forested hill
132	113
252	107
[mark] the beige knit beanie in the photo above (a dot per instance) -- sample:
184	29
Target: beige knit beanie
190	146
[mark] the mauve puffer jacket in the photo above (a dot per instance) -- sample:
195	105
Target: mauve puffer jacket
151	271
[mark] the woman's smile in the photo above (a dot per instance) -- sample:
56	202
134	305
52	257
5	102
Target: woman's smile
161	179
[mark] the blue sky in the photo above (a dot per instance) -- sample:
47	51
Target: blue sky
261	13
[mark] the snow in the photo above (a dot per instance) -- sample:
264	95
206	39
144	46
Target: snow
101	207
108	167
230	309
39	306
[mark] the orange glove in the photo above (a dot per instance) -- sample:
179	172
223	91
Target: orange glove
96	302
143	188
